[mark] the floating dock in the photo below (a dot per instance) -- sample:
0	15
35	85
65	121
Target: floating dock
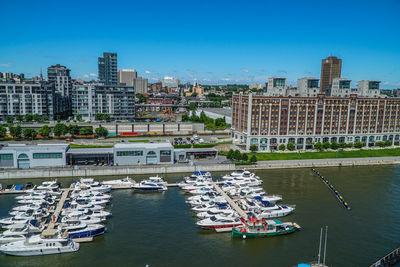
333	189
390	259
235	206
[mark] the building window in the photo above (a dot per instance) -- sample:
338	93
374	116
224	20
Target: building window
6	156
47	155
129	153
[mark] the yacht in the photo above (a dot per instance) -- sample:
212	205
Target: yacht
11	238
147	186
89	230
275	213
34	226
218	221
125	182
102	214
36	245
48	185
82	218
270	198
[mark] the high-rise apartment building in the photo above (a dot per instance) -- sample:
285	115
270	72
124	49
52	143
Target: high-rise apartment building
331	68
126	77
108	66
140	84
60	76
276	86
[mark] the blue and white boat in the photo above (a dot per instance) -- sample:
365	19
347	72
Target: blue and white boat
147	186
88	231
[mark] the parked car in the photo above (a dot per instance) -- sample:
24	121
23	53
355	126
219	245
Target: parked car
69	140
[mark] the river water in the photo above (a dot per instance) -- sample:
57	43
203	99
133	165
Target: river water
158	229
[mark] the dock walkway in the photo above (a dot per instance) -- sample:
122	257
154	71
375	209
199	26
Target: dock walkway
390	259
50	231
231	202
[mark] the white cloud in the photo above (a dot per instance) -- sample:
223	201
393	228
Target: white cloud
8	64
85	76
147	71
225	79
93	75
245	70
392	83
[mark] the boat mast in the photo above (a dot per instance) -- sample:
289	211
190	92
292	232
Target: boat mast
320	244
326	237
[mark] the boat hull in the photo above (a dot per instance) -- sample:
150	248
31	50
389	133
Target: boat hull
237	233
213	227
41	252
86	233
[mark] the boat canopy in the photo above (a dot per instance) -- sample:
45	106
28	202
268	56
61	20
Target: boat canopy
220	205
267	203
199	172
257	197
18	187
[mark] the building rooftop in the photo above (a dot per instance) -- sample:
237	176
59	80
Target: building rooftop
82	151
36	147
144	145
220	111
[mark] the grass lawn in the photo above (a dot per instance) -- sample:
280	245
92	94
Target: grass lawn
89	146
139	141
362	153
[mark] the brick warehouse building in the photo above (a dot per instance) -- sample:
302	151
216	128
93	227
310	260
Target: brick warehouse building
270	121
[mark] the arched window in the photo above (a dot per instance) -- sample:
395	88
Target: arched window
23	156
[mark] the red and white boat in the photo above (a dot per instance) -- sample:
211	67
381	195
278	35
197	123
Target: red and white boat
218	221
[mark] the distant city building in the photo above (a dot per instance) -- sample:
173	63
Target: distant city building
308	86
60	76
91	98
32	97
8	75
140	85
340	87
368	88
170	82
276	87
126	77
331	68
107	65
271	121
257	86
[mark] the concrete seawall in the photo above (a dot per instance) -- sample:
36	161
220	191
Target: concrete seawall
177	168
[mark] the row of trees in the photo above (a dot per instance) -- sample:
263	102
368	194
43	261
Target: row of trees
219	123
238	156
59	129
27	118
102	117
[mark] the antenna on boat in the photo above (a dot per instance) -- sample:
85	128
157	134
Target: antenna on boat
326	238
320	244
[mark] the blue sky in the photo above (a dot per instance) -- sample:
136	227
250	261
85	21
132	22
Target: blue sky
213	41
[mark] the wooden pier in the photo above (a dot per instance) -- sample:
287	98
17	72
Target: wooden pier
390	259
50	230
231	202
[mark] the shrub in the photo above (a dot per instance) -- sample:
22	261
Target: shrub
29	133
101	131
45	131
245	157
334	145
358	144
290	146
282	147
253	159
60	129
253	148
318	146
326	145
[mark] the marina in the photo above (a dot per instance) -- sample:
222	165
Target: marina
142	214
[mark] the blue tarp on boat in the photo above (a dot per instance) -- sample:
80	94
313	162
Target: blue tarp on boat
18	187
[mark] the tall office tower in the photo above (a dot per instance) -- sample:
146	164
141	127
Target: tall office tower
60	76
331	68
126	77
108	74
140	84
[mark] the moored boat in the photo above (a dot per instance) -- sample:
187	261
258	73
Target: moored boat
254	228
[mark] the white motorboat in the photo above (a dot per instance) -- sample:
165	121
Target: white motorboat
147	186
215	211
11	238
34	226
89	230
36	245
12	220
276	213
198	185
71	225
82	218
125	182
32	214
20	229
218	221
48	201
89	194
90	185
92	200
202	190
25	208
48	185
102	214
269	198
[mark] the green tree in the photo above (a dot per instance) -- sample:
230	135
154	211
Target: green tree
58	118
388	143
79	117
106	117
230	154
253	159
45	118
3	131
60	129
318	145
9	119
29	133
244	157
237	155
253	148
101	131
220	122
37	117
193	106
45	131
326	145
28	117
349	145
20	118
358	144
73	129
334	145
185	117
282	147
15	131
380	143
86	131
99	116
290	146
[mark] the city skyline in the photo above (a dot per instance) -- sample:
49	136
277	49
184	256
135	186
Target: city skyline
229	44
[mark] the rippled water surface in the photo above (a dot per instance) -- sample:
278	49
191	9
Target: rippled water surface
159	229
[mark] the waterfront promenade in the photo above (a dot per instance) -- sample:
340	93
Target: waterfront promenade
90	171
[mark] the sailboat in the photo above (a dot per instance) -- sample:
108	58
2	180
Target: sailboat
318	263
